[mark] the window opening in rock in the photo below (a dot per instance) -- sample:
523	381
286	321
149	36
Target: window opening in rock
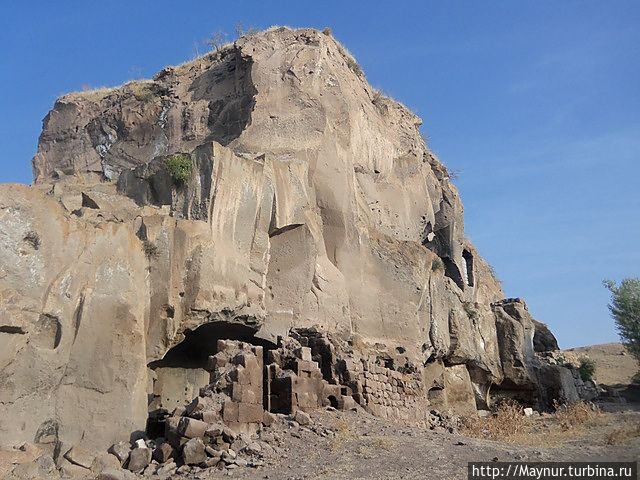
468	262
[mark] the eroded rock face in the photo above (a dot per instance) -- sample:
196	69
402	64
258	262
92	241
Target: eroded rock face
311	201
515	329
73	310
543	339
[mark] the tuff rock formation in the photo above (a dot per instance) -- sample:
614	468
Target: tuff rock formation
311	232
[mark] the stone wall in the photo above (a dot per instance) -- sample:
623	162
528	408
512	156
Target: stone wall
391	394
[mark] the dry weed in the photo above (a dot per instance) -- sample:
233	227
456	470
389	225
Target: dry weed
381	443
343	434
508	422
570	416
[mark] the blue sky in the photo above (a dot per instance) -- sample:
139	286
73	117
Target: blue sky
535	103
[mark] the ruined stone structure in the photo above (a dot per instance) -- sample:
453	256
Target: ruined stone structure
255	230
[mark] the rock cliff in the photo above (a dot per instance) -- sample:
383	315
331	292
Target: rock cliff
262	192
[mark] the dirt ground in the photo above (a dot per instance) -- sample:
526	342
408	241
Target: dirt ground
614	365
360	446
366	447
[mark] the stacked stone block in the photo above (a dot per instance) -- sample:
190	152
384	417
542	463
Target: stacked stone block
385	392
295	382
237	370
322	351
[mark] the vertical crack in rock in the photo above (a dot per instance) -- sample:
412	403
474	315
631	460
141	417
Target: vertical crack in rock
77	316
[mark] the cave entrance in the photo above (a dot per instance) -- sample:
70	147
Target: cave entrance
202	342
182	372
510	392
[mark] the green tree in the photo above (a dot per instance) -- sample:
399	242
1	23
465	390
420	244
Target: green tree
625	310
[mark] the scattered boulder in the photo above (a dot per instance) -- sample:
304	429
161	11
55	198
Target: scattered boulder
302	418
199	405
105	461
213	453
139	458
121	451
79	456
557	384
229	455
116	475
214	430
193	452
253	448
267	418
167	469
42	467
163	452
192	428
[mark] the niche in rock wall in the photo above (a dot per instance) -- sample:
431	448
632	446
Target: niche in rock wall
481	383
47	333
440	239
180	374
436	397
507	390
451	270
468	264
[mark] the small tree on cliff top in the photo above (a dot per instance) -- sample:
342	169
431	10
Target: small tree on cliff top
625	310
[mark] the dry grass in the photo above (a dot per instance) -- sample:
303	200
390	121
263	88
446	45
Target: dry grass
571	416
140	88
143	92
508	422
510	425
150	249
343	434
373	446
350	60
89	93
381	443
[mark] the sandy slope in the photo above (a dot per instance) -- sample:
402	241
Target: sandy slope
614	365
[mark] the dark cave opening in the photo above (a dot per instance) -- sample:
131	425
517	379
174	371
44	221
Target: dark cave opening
451	270
199	344
525	395
468	261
